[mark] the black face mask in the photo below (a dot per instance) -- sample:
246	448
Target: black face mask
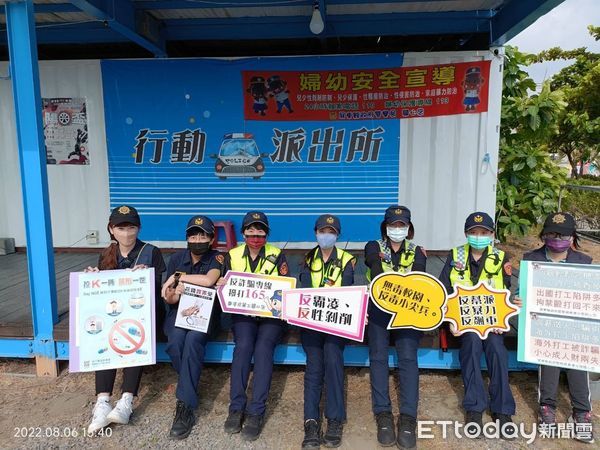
198	248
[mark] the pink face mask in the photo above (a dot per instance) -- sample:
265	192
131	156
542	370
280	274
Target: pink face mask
255	242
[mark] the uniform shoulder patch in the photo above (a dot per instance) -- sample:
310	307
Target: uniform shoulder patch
283	269
508	268
220	258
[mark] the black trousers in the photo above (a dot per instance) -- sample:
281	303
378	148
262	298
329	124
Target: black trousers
105	380
579	387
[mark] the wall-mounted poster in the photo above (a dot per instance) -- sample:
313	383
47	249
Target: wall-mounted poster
65	131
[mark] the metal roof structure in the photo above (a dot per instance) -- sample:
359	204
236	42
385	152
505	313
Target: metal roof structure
161	28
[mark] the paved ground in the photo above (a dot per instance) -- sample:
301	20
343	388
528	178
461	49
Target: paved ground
47	406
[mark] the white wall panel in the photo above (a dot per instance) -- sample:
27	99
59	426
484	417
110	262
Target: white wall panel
440	160
78	194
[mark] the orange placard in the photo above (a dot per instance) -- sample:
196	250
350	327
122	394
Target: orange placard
479	309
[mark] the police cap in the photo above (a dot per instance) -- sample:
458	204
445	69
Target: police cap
479	219
328	220
124	214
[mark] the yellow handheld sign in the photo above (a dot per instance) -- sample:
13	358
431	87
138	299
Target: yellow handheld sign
479	309
415	300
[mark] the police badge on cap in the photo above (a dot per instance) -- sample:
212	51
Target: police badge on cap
124	214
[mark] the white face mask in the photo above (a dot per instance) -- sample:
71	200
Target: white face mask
397	234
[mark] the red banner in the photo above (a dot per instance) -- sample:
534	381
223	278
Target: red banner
396	93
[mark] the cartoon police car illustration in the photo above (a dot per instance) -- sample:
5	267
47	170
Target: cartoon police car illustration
239	157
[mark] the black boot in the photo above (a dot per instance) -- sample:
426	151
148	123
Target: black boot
253	426
386	435
474	424
183	422
333	435
312	434
508	430
407	431
233	424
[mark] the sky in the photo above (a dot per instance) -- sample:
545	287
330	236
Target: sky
566	27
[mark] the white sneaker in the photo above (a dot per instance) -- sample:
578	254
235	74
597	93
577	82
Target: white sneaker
122	410
99	415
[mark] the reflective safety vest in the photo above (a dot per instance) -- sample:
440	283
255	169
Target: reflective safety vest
267	264
407	258
328	274
492	268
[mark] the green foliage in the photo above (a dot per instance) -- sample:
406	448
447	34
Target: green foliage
589	180
528	179
578	126
563	119
528	186
585	205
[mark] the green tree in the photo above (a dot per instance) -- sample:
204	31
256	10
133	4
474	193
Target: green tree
578	135
528	179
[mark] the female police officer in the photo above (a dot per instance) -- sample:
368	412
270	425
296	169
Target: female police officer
253	336
125	252
325	266
478	260
560	244
394	252
197	264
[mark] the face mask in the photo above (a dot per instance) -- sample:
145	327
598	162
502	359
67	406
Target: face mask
397	234
326	240
255	242
198	248
557	245
479	242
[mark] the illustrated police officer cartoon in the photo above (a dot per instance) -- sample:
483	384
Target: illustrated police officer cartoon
258	91
472	87
278	89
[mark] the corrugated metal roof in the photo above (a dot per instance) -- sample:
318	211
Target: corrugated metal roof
157	25
306	10
212	10
226	13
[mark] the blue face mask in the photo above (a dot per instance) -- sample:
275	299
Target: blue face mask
479	242
326	240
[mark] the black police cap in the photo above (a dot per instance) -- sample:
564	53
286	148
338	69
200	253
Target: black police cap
479	219
328	220
201	222
255	217
397	213
561	223
124	214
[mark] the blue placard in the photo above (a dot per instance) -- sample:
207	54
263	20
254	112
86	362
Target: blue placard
178	145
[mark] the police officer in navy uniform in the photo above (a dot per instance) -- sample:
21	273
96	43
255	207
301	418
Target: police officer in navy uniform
201	265
325	266
560	246
126	251
394	252
478	260
253	336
